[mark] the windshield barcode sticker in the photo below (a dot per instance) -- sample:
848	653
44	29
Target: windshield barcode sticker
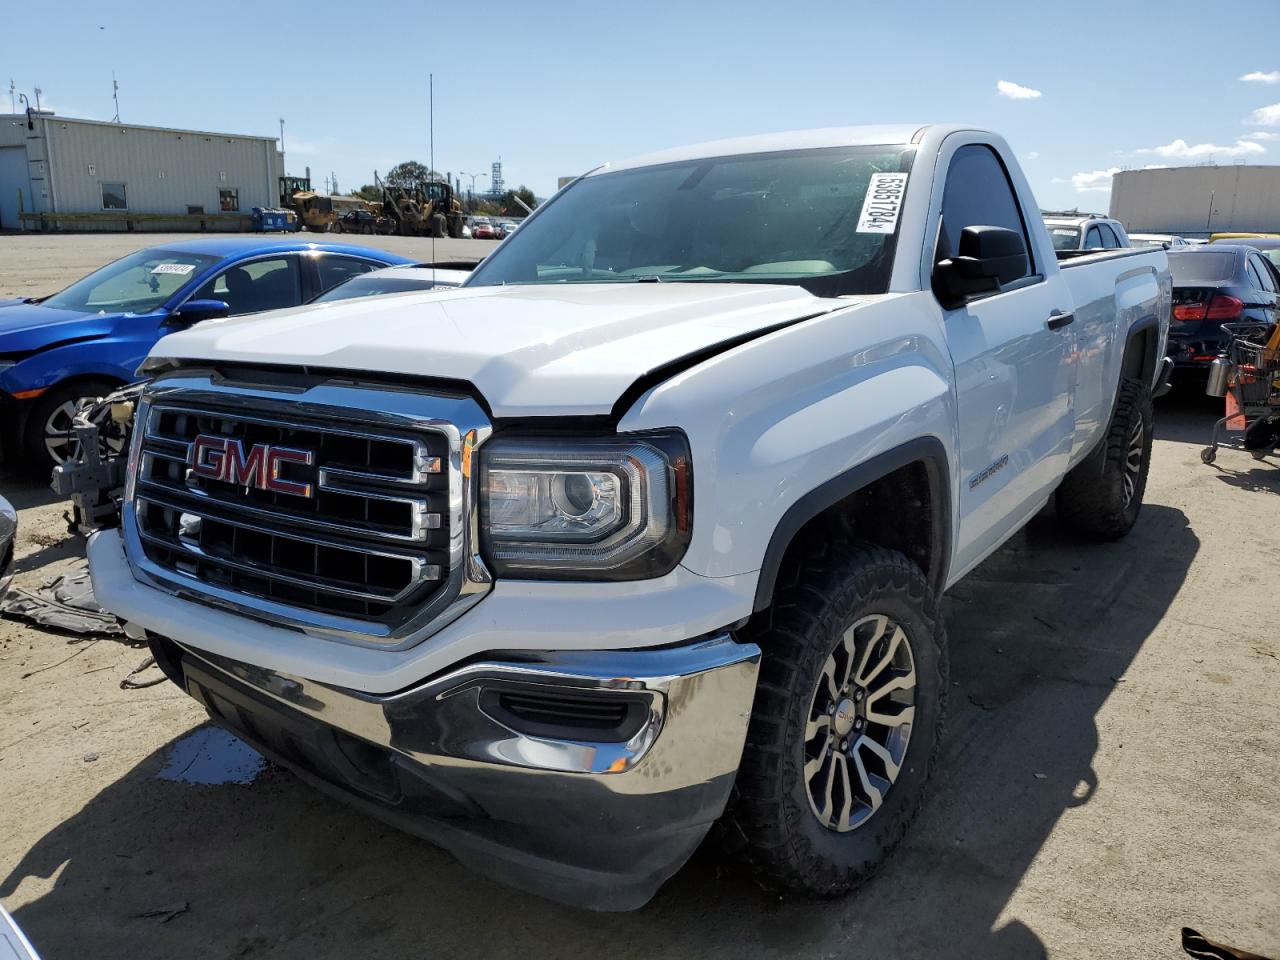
883	202
182	269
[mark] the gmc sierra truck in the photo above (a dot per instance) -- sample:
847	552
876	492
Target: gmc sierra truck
643	529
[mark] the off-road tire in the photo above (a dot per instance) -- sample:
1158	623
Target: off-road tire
770	824
1092	498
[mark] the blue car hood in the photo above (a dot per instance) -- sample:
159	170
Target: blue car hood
25	327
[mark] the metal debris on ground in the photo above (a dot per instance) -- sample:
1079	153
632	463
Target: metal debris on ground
128	683
65	602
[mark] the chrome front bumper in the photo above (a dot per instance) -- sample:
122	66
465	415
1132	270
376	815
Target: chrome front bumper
595	822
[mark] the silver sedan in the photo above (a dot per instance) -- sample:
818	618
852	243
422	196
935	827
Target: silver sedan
8	533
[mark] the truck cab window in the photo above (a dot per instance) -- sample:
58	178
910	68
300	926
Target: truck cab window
1093	239
1109	239
978	193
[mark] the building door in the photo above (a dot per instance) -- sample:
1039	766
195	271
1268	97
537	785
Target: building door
13	177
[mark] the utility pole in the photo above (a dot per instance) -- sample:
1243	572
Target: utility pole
282	169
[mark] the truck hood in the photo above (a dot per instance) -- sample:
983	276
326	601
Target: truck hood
568	349
29	327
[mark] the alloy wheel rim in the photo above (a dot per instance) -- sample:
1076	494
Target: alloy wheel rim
859	723
1133	463
59	436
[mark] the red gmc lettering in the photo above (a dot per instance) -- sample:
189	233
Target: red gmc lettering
225	459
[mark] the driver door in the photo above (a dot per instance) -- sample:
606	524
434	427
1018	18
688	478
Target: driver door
1014	381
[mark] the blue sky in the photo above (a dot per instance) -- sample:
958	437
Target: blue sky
556	88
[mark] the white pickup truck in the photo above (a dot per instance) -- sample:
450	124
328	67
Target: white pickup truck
643	529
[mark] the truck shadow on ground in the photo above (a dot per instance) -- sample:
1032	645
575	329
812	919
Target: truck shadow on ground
25	490
273	869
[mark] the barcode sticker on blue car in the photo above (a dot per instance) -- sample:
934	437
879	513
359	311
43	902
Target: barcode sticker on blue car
182	269
883	202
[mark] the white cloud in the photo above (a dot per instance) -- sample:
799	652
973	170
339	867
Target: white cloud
1094	181
1033	155
1258	76
1264	116
1181	150
1015	91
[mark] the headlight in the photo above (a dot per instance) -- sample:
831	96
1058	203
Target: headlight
617	508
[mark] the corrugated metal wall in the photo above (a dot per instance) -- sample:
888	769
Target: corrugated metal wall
164	171
1198	201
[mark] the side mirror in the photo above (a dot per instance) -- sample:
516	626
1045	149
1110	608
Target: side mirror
989	257
193	311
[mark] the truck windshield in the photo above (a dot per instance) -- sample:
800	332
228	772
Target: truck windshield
825	219
138	283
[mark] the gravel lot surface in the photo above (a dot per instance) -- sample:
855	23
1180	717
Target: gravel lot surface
1109	772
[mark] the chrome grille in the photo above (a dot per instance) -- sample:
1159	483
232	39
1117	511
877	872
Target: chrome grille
380	547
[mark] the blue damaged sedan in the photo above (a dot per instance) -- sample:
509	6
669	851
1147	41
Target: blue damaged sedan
90	338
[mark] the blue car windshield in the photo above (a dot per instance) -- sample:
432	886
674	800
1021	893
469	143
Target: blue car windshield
138	283
824	219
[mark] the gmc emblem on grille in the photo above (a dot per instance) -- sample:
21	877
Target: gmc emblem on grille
225	459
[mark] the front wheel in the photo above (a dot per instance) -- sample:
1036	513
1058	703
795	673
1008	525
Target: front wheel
1102	496
846	722
48	434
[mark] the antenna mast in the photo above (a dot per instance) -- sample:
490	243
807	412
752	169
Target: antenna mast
431	133
115	95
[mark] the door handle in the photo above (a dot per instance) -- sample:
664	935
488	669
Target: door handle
1057	321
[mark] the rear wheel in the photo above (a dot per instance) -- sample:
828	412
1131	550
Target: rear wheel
48	434
846	722
1102	496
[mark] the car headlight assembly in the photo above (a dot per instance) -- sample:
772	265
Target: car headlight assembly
570	508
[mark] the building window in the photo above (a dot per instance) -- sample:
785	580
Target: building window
229	201
193	208
113	197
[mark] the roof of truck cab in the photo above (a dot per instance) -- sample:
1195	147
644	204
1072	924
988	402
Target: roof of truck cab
871	135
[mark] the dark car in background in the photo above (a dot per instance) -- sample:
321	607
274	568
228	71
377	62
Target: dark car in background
362	221
1269	247
1213	285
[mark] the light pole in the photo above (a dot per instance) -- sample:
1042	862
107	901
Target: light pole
282	167
471	195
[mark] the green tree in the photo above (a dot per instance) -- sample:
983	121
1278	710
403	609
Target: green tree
409	174
368	192
509	205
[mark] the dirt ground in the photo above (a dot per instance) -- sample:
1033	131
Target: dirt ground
1108	776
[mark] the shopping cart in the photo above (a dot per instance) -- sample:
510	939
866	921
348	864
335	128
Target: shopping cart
1247	376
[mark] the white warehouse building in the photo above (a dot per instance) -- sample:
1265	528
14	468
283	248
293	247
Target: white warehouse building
89	174
1198	201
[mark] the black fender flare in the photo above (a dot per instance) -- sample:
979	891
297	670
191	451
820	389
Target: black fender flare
1144	366
926	450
